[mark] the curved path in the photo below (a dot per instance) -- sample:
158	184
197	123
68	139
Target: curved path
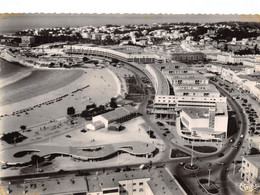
95	153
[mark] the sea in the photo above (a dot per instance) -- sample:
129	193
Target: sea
12	23
8	69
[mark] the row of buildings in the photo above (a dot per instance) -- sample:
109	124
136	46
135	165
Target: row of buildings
136	182
198	104
135	54
180	91
244	77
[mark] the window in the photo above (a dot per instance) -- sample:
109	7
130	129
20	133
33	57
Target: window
141	183
141	190
134	190
110	191
134	184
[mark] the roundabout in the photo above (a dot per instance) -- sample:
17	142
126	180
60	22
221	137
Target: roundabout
191	167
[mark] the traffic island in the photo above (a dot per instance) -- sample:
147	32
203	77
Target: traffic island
176	153
208	186
191	167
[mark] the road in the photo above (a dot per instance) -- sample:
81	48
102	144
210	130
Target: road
217	173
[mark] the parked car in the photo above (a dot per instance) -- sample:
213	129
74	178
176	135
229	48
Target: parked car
220	163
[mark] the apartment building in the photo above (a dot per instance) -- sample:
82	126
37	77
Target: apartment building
190	95
250	170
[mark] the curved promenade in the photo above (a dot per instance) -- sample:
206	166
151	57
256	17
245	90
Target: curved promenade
159	81
22	155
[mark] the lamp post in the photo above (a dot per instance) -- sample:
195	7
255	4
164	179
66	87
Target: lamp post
191	163
209	177
234	170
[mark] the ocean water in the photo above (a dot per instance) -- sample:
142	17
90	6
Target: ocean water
12	23
8	69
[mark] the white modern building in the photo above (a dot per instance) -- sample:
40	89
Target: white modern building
118	115
200	106
127	54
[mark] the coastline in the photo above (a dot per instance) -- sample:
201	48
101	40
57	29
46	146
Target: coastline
14	78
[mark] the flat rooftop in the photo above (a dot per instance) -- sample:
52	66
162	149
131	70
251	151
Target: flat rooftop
196	113
221	108
186	76
118	113
158	179
162	183
173	65
196	88
254	77
254	159
163	85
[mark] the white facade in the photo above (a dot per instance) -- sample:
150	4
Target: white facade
250	171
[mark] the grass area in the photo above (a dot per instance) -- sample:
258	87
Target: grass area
203	149
176	153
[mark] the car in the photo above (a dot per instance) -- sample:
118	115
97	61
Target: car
220	163
231	140
160	124
68	136
239	143
181	164
164	134
220	154
226	170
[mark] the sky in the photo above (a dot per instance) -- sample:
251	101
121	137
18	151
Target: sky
133	6
12	23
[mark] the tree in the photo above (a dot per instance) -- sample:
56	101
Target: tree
101	108
13	137
70	111
51	64
23	127
85	59
91	106
115	60
36	159
113	103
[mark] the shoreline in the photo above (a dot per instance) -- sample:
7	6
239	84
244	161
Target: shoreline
14	78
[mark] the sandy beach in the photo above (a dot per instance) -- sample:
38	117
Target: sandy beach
97	85
38	83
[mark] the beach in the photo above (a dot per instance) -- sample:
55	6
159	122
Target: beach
33	99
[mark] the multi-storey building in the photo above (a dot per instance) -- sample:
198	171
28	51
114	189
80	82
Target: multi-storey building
127	54
27	41
188	56
137	182
250	171
202	110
